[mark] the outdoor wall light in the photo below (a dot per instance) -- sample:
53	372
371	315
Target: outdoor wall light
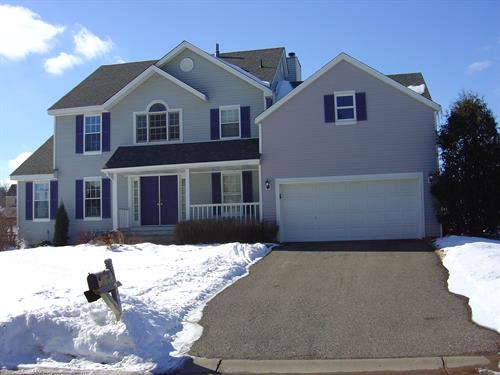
267	184
430	178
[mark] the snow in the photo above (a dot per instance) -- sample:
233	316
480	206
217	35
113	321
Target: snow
46	321
474	267
419	89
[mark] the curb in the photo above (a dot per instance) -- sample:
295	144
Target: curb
200	366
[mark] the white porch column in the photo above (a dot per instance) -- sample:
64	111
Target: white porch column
188	195
114	200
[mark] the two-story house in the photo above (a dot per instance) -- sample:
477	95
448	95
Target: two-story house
343	155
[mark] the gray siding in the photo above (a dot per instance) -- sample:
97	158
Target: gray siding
31	231
398	137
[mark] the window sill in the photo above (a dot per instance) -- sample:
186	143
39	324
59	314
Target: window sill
229	138
157	142
92	218
92	152
348	122
41	220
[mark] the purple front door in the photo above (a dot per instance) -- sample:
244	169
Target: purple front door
159	200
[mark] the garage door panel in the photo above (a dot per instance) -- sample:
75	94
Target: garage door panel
350	210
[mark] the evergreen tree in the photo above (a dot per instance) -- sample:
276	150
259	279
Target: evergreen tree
61	227
467	186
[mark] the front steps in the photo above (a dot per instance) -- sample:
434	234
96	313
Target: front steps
161	235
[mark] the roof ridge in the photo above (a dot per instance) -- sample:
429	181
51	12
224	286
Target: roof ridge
129	62
251	50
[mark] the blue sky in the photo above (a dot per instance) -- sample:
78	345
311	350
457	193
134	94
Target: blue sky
47	47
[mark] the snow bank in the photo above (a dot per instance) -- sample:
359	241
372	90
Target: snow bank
419	89
45	320
474	267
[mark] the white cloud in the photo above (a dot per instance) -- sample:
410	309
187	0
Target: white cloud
119	60
57	65
18	160
90	45
23	32
479	65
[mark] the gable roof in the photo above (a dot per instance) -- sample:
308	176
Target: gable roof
345	57
262	63
188	46
183	153
412	79
12	192
40	162
101	85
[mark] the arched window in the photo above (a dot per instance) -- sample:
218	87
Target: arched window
158	123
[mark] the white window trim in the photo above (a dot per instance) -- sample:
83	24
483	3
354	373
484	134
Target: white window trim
227	107
146	113
230	173
132	180
345	121
92	218
40	220
85	152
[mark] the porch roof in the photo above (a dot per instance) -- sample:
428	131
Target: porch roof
184	153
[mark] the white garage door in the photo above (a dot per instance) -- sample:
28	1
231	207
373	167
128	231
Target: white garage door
350	210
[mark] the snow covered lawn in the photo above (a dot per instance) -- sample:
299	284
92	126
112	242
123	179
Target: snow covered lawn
45	320
474	267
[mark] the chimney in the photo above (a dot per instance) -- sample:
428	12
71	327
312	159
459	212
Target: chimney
217	49
294	68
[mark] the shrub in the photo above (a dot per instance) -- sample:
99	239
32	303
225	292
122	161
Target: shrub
133	240
61	227
43	243
110	238
223	231
83	238
7	233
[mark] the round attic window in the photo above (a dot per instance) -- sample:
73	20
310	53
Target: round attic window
186	64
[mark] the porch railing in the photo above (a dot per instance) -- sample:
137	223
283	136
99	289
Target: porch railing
245	211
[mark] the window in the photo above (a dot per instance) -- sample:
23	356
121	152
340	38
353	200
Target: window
230	122
92	198
135	191
158	124
41	200
174	126
345	107
141	128
231	188
93	133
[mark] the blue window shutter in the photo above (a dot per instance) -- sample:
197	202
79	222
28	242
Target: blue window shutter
79	134
216	188
106	131
79	199
245	122
246	176
361	106
214	123
54	199
329	104
106	198
29	201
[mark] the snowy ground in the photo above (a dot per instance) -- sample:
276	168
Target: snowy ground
474	267
45	320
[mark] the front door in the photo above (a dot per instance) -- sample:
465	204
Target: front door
159	200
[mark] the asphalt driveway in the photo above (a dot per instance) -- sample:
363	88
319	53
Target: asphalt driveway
366	299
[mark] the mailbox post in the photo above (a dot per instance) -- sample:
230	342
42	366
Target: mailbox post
104	285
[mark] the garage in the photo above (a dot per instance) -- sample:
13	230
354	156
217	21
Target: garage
350	208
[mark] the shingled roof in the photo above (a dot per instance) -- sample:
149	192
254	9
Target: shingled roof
184	153
411	79
262	63
40	162
102	84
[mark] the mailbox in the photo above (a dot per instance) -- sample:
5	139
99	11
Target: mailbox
104	285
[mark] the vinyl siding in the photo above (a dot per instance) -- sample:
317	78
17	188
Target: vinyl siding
398	137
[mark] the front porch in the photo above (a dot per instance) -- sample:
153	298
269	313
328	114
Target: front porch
160	199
